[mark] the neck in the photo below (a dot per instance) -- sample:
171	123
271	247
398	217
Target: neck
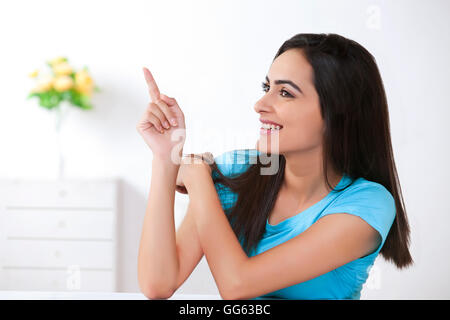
304	176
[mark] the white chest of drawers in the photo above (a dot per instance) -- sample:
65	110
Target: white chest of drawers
58	235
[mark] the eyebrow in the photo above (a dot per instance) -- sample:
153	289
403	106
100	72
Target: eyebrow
286	82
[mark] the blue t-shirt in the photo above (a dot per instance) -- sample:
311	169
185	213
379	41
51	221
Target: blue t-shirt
367	199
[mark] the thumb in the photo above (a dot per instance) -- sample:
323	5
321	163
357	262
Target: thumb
171	102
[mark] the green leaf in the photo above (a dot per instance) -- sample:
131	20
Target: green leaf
50	99
86	106
66	95
79	100
85	102
33	94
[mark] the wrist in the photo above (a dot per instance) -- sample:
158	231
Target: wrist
197	175
161	164
171	158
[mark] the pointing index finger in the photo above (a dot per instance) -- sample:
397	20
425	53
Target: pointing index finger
152	87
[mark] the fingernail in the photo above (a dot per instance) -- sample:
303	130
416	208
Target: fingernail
166	125
174	122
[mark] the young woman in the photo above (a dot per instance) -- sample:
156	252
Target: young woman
310	230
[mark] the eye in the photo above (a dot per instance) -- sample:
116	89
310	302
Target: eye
288	94
265	88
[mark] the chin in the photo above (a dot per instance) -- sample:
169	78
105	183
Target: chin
266	147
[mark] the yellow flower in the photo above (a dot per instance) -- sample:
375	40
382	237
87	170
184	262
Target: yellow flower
33	74
62	69
44	83
63	83
83	82
56	61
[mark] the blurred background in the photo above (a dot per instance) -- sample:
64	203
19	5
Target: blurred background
75	224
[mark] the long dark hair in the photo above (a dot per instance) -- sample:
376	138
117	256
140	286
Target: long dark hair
356	140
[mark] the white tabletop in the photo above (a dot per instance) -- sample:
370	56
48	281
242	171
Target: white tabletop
77	295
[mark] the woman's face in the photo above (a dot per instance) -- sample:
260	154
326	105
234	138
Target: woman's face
296	110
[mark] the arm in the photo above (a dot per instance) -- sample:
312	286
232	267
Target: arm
164	260
157	259
189	254
331	242
189	249
214	231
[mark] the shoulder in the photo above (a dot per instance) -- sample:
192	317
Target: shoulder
366	192
369	200
235	162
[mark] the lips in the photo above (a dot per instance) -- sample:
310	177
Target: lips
271	122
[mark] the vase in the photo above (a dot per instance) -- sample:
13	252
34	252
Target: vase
60	113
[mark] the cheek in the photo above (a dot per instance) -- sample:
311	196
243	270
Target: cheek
304	130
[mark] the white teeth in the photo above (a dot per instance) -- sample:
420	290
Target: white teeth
270	126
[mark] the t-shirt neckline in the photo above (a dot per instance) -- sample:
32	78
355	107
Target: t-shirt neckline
291	220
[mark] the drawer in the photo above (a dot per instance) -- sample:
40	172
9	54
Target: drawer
59	224
72	193
58	253
56	280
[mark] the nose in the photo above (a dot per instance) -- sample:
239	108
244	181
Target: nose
262	105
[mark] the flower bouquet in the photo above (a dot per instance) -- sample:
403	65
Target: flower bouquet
62	84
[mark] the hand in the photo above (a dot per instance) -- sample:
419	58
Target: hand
189	166
162	109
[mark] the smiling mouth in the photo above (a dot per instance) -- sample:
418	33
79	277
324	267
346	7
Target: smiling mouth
270	127
268	131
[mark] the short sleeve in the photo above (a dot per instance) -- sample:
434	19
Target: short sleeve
370	201
231	164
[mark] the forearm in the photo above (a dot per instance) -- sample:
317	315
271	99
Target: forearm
158	259
220	245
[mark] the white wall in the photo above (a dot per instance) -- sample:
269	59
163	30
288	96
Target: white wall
211	56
